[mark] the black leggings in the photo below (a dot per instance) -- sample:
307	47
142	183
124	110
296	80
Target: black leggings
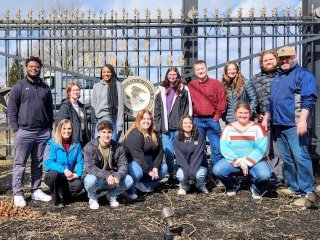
60	188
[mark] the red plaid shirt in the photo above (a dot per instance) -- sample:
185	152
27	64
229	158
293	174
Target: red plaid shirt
208	98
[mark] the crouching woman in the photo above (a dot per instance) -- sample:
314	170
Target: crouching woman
243	145
63	163
143	148
189	149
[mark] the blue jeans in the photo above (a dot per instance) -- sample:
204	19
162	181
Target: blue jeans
207	127
260	173
92	184
168	148
135	171
200	176
115	135
297	164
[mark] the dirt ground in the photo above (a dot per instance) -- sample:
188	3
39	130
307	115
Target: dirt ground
196	216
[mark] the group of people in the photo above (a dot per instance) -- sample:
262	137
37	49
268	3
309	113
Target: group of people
265	137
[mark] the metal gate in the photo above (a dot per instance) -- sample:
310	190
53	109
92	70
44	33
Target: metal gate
75	43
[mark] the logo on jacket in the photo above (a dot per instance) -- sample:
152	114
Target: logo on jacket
138	95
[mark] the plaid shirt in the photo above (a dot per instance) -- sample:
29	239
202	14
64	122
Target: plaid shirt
208	98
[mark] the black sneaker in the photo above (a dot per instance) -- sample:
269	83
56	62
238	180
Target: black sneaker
172	180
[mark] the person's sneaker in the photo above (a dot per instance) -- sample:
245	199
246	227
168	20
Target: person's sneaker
18	201
93	204
311	200
204	189
38	195
59	205
232	193
287	192
171	180
318	189
143	188
130	196
113	201
182	191
254	194
300	202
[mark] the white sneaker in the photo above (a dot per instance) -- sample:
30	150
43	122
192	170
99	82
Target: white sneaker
130	196
38	195
182	192
255	195
19	202
204	189
232	193
143	188
93	204
113	201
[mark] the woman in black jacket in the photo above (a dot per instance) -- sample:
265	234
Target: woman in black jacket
172	101
142	145
71	108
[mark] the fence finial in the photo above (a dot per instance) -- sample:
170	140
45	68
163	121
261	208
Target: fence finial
18	14
148	14
263	11
251	12
30	14
274	11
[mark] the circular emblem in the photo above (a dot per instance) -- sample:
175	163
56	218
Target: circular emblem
138	95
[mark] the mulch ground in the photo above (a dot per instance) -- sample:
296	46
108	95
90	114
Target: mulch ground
196	216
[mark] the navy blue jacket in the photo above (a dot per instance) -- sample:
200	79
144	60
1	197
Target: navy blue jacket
290	92
30	106
190	155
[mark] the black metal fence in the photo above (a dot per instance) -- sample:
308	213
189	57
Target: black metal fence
76	44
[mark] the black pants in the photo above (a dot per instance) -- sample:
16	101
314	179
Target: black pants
60	188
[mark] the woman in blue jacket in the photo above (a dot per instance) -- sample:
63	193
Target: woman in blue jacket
63	163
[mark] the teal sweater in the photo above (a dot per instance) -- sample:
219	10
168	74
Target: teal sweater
250	144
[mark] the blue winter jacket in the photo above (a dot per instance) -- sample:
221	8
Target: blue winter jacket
57	159
290	92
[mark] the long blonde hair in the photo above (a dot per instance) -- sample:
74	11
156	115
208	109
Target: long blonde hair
57	135
151	133
237	82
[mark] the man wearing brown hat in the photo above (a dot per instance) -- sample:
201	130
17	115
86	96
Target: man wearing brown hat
292	96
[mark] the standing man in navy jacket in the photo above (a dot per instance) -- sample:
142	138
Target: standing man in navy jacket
30	115
293	95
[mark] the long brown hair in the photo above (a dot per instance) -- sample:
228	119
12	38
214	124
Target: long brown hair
237	82
194	131
151	132
166	83
57	135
